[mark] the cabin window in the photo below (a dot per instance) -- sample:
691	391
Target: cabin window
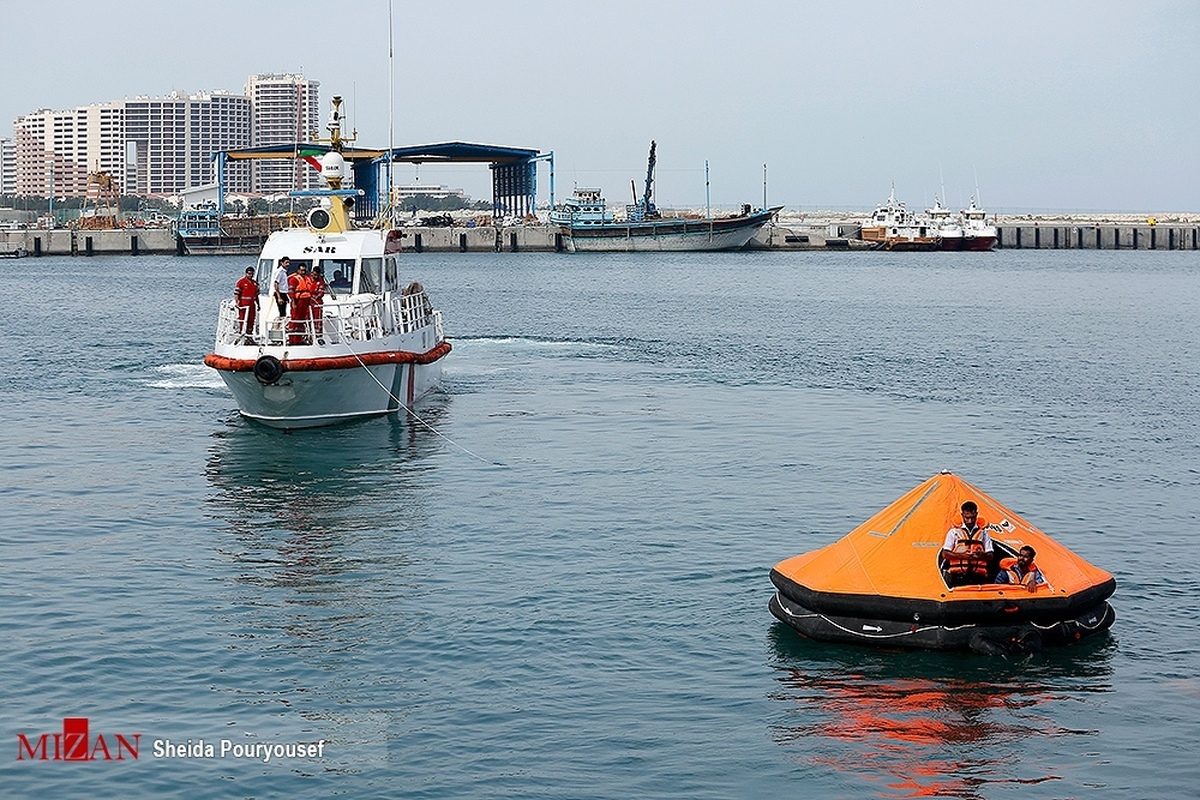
371	278
265	267
389	274
339	272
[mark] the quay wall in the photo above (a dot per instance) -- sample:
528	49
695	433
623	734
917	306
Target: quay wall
1067	236
547	239
66	241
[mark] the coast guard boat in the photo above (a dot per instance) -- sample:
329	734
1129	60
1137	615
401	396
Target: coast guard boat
374	346
588	226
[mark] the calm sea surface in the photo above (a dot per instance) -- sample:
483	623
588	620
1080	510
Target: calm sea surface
562	590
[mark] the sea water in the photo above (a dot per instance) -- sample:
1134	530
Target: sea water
554	581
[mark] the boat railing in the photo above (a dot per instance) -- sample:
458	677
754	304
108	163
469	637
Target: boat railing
411	311
339	322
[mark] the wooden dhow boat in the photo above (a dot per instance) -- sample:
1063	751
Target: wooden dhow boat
587	225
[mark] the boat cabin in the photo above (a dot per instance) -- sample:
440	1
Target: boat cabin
584	207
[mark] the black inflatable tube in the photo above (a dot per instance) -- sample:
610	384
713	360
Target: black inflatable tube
995	639
990	611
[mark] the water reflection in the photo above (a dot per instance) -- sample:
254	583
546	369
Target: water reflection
916	724
322	525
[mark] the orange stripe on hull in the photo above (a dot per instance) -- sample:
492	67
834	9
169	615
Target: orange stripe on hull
227	364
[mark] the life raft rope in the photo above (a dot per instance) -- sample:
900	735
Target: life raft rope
417	417
914	629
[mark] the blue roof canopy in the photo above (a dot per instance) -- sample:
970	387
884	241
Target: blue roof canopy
461	151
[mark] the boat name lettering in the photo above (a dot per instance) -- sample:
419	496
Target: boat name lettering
318	248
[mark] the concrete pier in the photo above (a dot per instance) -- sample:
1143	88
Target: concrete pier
787	235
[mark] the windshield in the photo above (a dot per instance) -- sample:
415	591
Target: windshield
371	279
340	272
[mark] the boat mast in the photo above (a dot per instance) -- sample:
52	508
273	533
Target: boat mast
391	116
707	195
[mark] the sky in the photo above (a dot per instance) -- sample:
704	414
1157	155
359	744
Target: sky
1037	106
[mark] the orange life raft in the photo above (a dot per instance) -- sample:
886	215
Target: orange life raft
882	583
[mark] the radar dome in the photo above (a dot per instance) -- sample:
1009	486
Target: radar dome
333	166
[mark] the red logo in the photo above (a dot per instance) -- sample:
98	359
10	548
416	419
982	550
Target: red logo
75	744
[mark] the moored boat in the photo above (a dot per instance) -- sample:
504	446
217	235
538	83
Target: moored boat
883	583
948	230
371	343
978	233
587	225
892	227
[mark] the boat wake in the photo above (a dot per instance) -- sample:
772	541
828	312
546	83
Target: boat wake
185	376
535	342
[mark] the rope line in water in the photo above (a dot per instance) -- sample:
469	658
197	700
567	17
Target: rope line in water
416	416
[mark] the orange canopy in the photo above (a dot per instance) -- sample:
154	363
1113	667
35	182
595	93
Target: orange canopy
895	552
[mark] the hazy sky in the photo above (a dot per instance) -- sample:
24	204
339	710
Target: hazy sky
1063	105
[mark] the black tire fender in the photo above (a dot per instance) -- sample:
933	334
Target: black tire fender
268	370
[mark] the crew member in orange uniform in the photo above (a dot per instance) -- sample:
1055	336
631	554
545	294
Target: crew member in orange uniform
300	293
246	294
317	301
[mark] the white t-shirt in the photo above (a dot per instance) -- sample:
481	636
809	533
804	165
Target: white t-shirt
280	280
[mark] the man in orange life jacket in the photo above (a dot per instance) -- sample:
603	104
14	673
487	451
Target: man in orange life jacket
967	552
1023	571
299	293
317	301
247	303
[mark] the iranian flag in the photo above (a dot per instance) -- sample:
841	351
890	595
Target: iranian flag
312	155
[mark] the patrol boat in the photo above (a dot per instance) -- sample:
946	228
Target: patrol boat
373	346
882	583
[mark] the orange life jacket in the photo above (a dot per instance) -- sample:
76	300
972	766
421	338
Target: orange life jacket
1009	565
968	556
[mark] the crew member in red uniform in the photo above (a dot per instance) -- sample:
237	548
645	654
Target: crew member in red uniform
246	294
299	292
317	301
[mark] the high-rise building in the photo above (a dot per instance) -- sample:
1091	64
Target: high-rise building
52	152
170	142
285	111
156	146
161	146
8	167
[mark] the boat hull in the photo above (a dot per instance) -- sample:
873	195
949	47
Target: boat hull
991	637
979	244
316	398
672	235
314	386
222	245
